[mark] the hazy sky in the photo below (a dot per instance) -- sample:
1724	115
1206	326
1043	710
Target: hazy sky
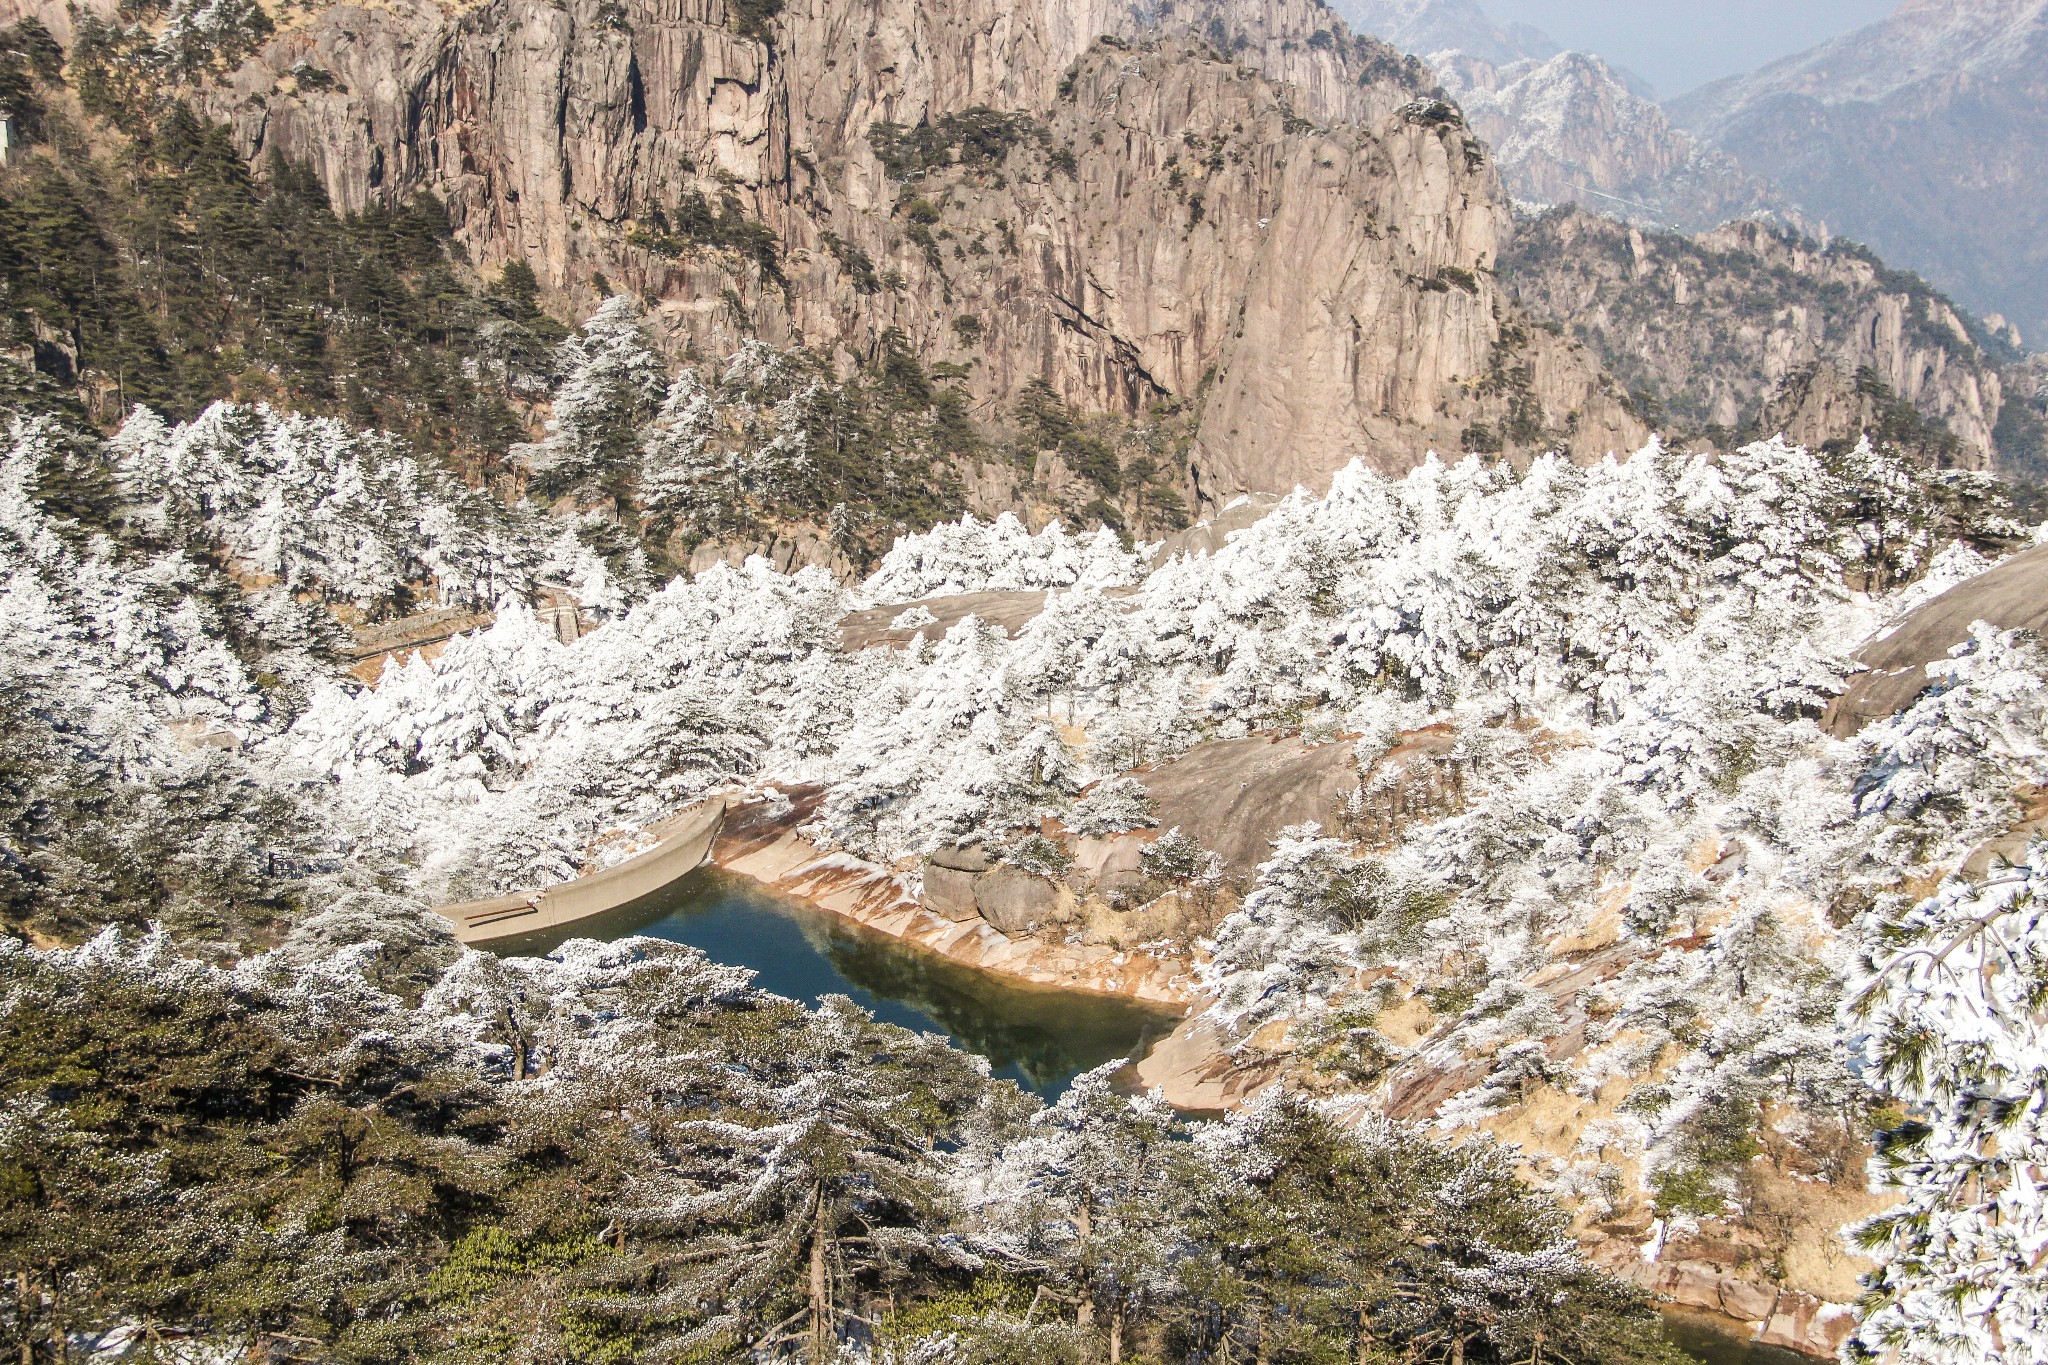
1679	44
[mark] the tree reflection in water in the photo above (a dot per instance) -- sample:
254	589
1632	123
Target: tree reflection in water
1039	1038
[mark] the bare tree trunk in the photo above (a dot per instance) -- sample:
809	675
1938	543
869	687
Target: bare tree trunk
1116	1335
820	1308
518	1041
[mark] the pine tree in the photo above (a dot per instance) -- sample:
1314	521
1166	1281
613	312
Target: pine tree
1947	1014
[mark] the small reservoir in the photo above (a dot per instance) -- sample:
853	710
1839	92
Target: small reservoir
1038	1037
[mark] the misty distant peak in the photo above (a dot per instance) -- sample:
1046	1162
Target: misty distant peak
1429	26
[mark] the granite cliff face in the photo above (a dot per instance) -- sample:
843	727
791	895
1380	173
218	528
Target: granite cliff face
1231	210
1750	326
1923	135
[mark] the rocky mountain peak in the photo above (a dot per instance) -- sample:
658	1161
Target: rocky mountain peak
1922	135
1427	27
1244	213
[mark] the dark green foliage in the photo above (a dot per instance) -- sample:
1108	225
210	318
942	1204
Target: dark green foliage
29	58
207	852
880	446
696	223
979	139
212	1154
1510	381
2022	438
752	18
173	277
858	265
1380	1244
1459	278
1899	424
1043	417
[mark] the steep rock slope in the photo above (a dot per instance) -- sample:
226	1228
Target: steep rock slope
1290	237
1923	135
1708	330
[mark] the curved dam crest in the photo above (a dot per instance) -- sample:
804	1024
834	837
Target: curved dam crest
684	845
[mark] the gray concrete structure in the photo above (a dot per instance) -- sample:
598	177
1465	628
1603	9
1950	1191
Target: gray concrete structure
685	846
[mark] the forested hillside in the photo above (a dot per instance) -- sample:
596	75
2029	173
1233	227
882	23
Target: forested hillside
1596	958
1754	330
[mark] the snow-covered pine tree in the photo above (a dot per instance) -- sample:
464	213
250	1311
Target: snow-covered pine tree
611	383
1950	1015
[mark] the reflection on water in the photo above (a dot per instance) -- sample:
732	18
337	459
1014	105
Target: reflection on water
1717	1341
1041	1039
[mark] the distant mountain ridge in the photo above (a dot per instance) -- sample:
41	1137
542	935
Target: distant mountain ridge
1429	26
1566	127
1925	135
1571	129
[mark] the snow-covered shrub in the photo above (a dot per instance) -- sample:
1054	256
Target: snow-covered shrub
696	472
998	556
318	506
612	381
1040	856
1114	807
1958	753
1177	857
1946	1010
202	35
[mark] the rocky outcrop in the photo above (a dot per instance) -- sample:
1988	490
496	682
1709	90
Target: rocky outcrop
1922	135
760	841
1285	235
1234	796
2012	596
1007	611
1708	330
1015	901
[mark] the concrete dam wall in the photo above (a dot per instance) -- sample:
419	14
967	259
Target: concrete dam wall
685	846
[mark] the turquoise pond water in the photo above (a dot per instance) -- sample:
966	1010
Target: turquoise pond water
1039	1038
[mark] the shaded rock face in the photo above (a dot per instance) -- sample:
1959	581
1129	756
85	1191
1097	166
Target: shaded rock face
1710	328
1276	233
949	892
964	883
1923	135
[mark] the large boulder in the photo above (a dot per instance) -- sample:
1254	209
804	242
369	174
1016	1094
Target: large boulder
964	858
949	892
1015	901
1233	796
1112	862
